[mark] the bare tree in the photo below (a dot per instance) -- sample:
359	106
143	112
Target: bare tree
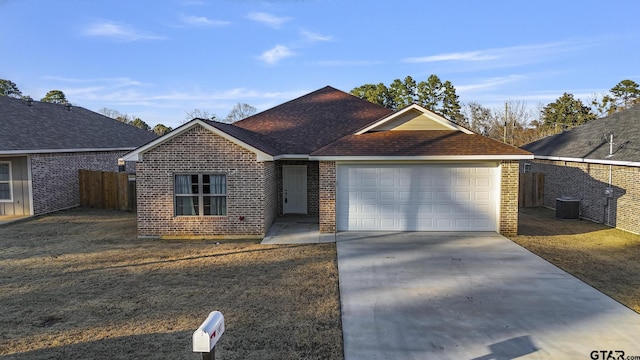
239	112
199	114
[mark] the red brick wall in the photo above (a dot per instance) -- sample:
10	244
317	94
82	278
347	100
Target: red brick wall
327	197
55	177
270	194
250	187
509	178
588	182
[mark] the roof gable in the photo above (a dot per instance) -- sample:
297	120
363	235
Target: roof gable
413	117
262	148
40	127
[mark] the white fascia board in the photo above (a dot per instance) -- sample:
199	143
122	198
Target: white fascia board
589	161
50	151
423	110
136	155
291	157
421	158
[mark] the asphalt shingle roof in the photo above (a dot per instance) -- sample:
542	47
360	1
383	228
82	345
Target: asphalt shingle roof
47	126
306	124
417	143
259	141
591	140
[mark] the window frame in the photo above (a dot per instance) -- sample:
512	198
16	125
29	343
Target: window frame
200	195
9	182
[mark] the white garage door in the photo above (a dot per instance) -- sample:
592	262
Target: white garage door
417	197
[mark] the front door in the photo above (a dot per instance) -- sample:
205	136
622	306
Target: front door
294	189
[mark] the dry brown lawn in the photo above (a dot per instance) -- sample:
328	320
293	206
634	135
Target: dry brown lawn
78	284
607	259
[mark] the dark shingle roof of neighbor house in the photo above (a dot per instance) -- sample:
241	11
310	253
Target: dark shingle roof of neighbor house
418	143
46	126
312	121
591	140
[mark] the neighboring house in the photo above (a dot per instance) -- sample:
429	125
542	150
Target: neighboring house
354	164
597	163
42	147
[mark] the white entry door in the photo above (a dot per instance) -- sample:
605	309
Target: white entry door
294	189
418	197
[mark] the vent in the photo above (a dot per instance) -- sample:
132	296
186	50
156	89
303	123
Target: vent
567	208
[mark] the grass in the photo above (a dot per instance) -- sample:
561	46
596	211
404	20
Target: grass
78	284
606	258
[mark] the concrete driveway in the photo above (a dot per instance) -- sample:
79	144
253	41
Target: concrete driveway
470	296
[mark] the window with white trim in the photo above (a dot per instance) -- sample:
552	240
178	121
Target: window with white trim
200	194
5	181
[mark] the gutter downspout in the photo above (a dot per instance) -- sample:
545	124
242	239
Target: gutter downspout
610	189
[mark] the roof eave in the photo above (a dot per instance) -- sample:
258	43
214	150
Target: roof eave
50	151
589	161
421	158
291	157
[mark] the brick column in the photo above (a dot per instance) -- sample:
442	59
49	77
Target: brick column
509	179
327	197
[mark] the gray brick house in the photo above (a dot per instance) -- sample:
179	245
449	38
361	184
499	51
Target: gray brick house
597	163
353	164
42	147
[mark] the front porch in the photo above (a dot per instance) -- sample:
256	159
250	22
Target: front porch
296	229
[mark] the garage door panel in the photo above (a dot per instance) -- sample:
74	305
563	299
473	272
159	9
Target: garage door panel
482	196
387	196
417	197
425	209
444	209
387	209
369	196
403	196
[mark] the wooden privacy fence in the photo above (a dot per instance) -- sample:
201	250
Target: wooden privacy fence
107	190
531	192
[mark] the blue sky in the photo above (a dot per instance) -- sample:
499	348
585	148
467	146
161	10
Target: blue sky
160	59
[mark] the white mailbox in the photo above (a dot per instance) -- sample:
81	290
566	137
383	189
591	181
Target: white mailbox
208	334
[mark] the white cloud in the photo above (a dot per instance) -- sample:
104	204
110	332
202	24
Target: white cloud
268	19
201	21
507	56
489	83
113	82
459	56
315	37
276	54
119	31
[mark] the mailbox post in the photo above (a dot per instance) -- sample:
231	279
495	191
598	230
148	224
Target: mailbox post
208	334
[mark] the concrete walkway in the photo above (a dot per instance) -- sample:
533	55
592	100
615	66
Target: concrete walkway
470	296
296	229
8	219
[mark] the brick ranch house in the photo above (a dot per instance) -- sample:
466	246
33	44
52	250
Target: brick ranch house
42	147
354	164
597	163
